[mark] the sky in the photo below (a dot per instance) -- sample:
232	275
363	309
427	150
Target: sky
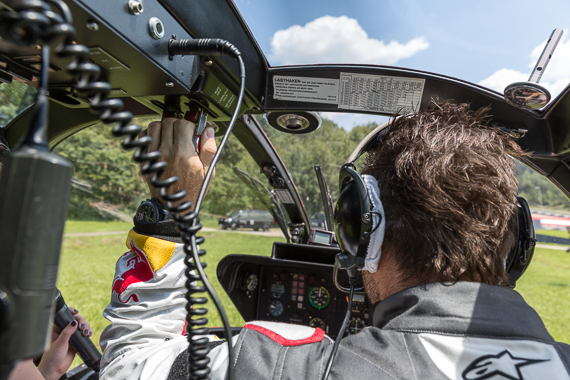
492	43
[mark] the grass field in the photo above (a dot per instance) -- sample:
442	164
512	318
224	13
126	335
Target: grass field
546	287
74	226
88	263
556	233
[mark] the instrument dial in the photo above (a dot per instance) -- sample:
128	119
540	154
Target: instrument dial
276	308
355	325
251	282
319	297
318	322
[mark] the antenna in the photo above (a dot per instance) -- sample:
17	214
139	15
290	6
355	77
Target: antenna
530	95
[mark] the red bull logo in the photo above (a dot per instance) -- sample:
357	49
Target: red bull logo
138	269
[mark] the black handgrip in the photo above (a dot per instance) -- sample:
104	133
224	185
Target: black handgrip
82	344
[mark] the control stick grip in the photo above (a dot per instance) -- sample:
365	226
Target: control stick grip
82	344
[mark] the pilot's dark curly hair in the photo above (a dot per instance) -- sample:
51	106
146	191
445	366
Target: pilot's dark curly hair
448	187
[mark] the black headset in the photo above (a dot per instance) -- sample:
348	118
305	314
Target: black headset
353	218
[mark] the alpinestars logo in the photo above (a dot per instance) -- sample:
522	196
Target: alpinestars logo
500	366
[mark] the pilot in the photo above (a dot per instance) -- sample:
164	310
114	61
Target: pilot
447	187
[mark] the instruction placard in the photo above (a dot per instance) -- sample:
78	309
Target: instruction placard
224	97
302	89
380	93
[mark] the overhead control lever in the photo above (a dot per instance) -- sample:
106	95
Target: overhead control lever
200	118
530	95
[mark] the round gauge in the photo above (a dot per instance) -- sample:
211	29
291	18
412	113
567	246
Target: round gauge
355	325
318	322
251	282
319	297
276	308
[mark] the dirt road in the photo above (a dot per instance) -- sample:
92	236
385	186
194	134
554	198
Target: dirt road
273	232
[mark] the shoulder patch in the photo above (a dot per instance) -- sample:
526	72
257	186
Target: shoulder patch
287	334
475	358
157	251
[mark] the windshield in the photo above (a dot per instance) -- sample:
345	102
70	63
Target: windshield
490	43
15	97
328	146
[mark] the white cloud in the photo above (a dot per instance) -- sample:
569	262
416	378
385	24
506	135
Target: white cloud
341	39
556	76
502	78
351	120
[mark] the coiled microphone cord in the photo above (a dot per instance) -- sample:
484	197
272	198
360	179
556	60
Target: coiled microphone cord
189	225
33	22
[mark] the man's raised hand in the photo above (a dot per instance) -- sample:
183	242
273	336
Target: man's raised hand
173	139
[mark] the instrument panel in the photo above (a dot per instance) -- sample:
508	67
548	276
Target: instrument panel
269	289
308	297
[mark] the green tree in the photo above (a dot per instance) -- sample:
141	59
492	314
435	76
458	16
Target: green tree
105	177
14	98
533	185
227	193
328	146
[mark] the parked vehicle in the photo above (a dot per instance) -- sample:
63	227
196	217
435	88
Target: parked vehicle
255	219
318	220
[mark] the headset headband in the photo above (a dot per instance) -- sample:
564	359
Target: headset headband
368	143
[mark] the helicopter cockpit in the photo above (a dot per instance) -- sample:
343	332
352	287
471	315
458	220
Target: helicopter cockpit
167	58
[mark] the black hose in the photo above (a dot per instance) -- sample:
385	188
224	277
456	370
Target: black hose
352	281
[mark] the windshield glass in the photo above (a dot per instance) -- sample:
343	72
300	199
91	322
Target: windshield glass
107	184
15	97
328	146
490	43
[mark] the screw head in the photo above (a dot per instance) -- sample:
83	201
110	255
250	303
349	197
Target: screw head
135	7
169	84
156	28
93	26
209	62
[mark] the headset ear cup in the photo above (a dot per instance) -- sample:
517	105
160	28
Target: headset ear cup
347	215
521	254
353	220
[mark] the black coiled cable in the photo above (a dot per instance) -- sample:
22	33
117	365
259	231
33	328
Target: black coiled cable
33	22
189	225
